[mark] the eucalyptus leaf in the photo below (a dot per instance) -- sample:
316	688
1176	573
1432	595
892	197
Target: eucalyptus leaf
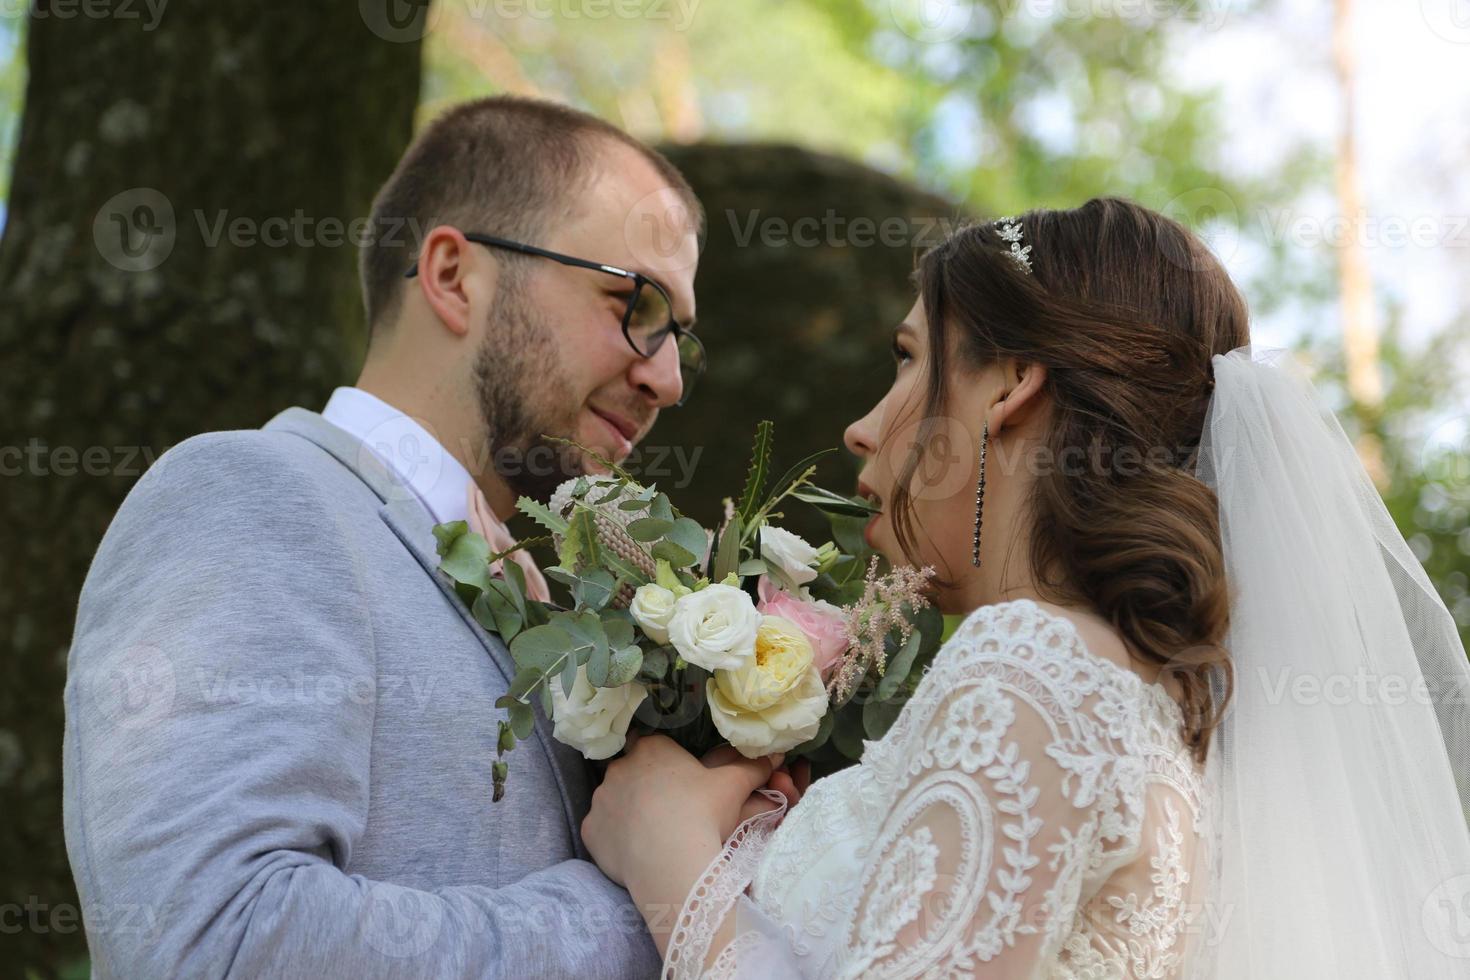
569	676
594	589
565	576
661	508
514	575
847	732
541	647
505	619
466	561
586	633
656	662
619	630
847	534
898	667
752	566
687	534
879	716
930	622
445	535
522	719
673	554
613	493
525	682
625	665
483	614
649	528
597	666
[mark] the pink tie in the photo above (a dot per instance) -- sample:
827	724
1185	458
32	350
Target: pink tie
482	521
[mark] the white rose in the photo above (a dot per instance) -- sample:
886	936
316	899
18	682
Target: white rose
594	720
787	722
790	553
715	627
652	608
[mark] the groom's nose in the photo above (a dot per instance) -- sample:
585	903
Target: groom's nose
657	378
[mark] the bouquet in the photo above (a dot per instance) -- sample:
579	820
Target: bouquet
744	633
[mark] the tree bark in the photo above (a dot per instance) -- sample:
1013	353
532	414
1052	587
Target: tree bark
177	259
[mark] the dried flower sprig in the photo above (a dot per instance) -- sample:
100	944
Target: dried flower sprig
879	611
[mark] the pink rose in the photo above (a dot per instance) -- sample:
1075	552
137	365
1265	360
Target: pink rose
822	622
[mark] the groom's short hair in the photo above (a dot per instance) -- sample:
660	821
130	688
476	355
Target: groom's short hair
505	165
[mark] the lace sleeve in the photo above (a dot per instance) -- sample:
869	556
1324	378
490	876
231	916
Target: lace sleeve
992	797
997	783
714	897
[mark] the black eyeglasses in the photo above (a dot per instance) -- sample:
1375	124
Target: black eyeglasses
647	322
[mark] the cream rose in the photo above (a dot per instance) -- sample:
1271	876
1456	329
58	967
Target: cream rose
790	553
652	608
594	720
776	700
715	627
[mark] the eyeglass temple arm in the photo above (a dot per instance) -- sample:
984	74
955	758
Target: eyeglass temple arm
494	242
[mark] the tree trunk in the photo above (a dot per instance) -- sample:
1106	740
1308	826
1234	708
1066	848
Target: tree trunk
1355	280
177	259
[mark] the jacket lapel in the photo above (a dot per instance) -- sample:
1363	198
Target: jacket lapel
411	521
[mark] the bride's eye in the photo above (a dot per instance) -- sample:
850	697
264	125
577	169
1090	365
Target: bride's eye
900	355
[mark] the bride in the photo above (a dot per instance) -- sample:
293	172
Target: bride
1204	716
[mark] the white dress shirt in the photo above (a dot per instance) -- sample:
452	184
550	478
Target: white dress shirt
409	449
436	478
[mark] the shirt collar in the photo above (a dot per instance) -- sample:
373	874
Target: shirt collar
406	447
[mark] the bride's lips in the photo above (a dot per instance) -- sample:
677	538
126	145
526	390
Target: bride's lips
623	431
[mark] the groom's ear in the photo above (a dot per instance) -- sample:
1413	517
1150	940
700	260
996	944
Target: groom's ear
446	278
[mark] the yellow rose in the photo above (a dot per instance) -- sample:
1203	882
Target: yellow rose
782	655
775	700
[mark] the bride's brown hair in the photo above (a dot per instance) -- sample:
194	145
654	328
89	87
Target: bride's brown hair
1124	308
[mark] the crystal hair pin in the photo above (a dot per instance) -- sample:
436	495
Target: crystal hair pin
1010	232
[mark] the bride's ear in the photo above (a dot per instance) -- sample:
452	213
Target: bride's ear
1024	383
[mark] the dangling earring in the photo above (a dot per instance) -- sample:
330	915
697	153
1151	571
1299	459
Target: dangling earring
980	491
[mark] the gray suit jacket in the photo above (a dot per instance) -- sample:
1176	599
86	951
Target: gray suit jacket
280	723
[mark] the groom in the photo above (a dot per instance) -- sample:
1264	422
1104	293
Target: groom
280	721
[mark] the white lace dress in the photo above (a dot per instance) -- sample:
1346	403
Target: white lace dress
1033	813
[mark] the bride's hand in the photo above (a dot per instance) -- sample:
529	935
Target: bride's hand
660	810
791	784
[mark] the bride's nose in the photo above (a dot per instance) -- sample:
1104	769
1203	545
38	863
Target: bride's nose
861	437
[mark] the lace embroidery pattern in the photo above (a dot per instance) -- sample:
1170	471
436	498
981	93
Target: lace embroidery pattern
1033	810
718	889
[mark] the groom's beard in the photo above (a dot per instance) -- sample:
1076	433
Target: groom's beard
524	396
